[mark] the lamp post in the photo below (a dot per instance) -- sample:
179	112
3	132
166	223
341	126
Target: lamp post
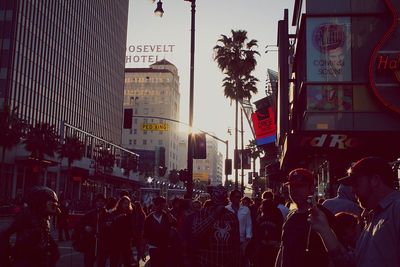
159	11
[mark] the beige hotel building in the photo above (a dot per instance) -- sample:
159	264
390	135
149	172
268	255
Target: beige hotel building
153	94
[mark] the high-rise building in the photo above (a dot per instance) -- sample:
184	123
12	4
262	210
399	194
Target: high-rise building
64	61
153	95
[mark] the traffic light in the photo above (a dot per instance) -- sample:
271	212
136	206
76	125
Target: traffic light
162	170
128	114
237	159
250	178
199	146
228	166
246	159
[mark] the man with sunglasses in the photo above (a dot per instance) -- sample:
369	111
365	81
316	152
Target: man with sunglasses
373	183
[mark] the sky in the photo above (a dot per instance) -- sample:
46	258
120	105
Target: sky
212	111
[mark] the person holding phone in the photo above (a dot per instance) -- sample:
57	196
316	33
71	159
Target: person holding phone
374	184
300	246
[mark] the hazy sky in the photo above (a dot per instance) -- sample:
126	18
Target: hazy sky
212	111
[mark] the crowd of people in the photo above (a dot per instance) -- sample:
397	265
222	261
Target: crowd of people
358	227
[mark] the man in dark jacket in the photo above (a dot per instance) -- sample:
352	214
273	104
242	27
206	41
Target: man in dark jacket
157	231
34	246
88	236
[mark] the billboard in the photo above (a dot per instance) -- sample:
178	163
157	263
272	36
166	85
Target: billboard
264	126
328	49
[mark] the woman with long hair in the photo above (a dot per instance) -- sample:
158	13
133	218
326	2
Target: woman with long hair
122	228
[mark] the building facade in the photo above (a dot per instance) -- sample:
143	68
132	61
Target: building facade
208	170
338	100
153	95
62	63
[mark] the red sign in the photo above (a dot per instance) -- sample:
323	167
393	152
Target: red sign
264	122
382	61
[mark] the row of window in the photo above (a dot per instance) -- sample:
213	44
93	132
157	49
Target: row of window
58	68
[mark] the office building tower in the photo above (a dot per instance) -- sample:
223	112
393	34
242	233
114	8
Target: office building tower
64	61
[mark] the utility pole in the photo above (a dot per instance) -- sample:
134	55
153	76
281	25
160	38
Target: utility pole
241	154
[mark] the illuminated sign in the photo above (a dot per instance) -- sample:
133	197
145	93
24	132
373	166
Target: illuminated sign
147	53
155	127
384	64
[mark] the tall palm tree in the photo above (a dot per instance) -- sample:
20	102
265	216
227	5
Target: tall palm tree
41	140
236	59
72	149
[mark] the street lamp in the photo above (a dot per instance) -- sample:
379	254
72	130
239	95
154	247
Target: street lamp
159	11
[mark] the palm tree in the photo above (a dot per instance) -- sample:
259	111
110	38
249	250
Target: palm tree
11	131
72	149
236	59
41	140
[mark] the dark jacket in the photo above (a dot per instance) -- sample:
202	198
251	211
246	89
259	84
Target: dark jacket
157	234
34	246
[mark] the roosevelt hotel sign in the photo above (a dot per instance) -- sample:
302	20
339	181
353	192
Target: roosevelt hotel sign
147	53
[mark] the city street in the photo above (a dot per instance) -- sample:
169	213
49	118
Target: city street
68	256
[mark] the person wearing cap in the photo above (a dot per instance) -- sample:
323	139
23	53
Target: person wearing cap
299	245
373	183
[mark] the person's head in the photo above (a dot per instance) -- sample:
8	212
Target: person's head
267	206
159	203
235	196
301	185
348	228
336	58
257	201
371	178
218	195
196	205
124	204
42	200
176	202
99	201
111	203
267	195
246	201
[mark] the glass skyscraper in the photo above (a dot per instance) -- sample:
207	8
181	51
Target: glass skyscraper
64	61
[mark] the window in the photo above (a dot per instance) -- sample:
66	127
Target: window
160	142
130	141
134	131
144	142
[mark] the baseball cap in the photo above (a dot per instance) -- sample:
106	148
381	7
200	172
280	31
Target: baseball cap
300	176
369	166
